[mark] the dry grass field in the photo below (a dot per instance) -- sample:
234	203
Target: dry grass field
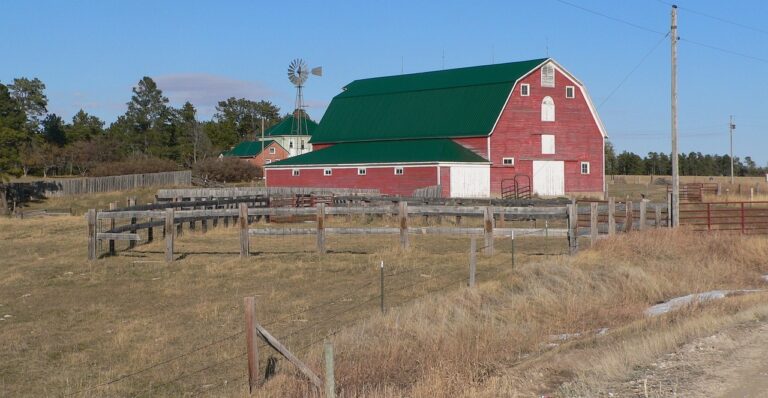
131	325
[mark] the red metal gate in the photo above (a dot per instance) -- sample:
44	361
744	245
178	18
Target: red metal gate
743	217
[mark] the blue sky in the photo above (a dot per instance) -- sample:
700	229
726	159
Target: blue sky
90	54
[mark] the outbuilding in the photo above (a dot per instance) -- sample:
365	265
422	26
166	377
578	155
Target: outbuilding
496	130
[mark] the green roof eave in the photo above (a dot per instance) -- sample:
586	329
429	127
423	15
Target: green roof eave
404	151
247	149
285	127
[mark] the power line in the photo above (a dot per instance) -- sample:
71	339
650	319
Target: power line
725	50
642	60
624	21
716	18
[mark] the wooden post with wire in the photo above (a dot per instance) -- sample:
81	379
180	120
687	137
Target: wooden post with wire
321	228
330	382
593	223
472	261
91	218
643	214
169	233
488	230
629	219
573	229
611	216
403	215
251	339
132	203
112	206
180	227
381	289
512	237
243	222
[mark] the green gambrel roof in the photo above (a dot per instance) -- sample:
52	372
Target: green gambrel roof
416	151
462	102
285	126
247	149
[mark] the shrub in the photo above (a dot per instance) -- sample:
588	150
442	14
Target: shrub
226	170
137	165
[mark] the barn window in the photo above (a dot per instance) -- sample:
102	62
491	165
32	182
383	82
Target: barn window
584	167
570	92
361	171
295	172
548	76
327	172
268	161
525	90
547	109
272	150
399	171
547	144
508	161
302	144
290	145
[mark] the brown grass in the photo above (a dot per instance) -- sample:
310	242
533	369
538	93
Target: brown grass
494	341
76	324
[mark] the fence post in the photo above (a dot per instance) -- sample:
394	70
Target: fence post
91	217
403	206
709	217
150	229
132	203
321	228
112	206
180	226
573	228
243	220
330	382
641	225
488	230
593	231
169	233
381	290
669	210
611	216
472	261
512	236
751	194
204	221
630	215
251	339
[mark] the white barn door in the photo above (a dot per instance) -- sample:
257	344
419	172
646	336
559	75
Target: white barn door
470	181
549	177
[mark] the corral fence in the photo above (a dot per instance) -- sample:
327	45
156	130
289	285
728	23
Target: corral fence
742	217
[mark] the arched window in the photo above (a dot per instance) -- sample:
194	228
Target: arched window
547	110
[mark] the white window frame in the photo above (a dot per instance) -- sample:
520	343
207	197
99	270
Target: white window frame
327	172
545	115
548	146
268	161
571	90
548	80
361	171
399	171
295	172
511	161
271	150
581	168
525	90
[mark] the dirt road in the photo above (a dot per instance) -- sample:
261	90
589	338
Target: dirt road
730	364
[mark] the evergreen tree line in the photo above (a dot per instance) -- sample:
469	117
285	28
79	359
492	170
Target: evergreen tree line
150	132
692	164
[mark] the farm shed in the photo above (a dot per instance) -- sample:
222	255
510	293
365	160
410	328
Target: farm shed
495	130
251	151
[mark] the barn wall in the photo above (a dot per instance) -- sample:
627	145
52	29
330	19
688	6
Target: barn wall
577	135
478	145
381	178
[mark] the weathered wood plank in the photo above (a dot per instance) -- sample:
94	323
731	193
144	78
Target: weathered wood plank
118	236
272	341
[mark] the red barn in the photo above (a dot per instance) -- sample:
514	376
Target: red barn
476	132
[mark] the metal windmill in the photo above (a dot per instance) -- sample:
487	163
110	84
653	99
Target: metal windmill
298	73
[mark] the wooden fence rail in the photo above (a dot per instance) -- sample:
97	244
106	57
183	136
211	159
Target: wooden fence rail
85	185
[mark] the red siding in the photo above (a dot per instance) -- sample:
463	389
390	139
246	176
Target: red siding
317	147
577	135
259	159
381	178
478	145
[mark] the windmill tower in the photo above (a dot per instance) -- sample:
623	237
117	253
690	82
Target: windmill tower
298	73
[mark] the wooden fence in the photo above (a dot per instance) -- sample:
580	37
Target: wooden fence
231	192
172	219
86	185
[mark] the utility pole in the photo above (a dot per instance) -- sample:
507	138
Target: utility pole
731	127
675	171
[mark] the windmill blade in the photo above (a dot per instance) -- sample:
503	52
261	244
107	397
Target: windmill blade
317	71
